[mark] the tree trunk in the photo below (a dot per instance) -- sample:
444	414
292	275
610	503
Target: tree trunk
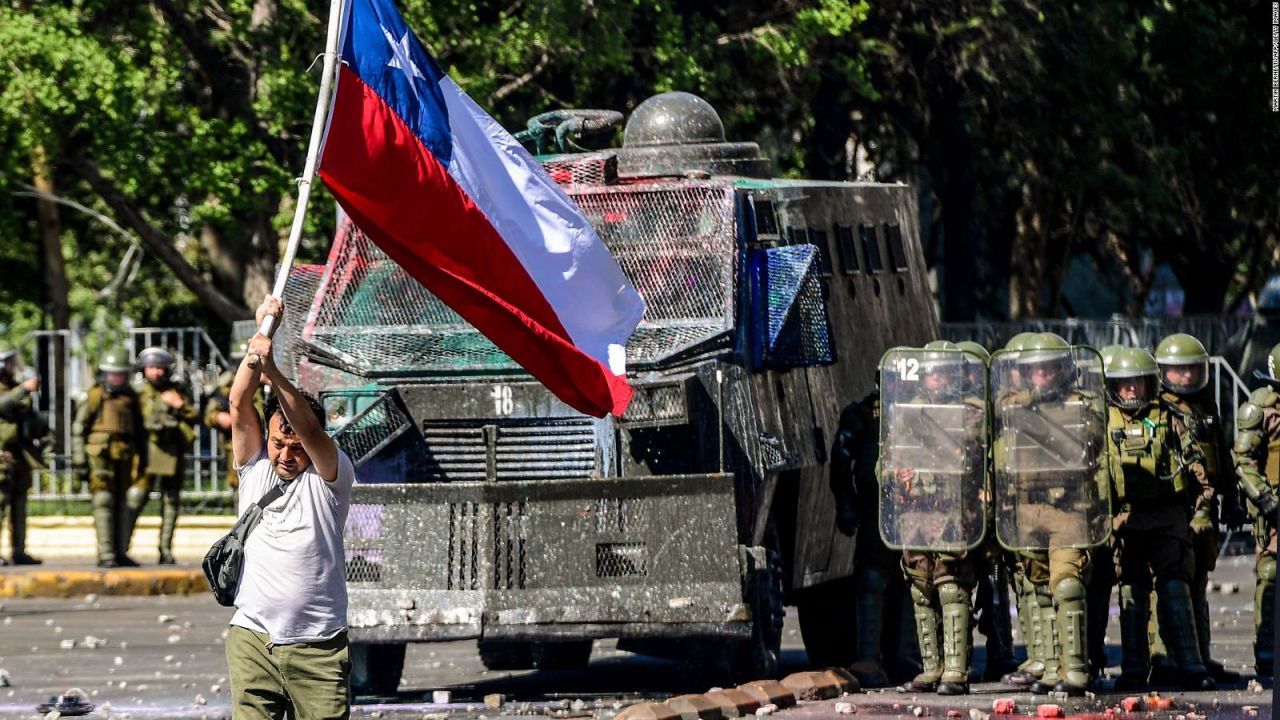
55	266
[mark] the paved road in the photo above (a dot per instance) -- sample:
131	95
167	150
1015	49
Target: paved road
163	657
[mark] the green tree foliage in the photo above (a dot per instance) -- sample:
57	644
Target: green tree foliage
1036	132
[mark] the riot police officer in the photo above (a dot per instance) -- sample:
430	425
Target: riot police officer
1102	574
1184	377
1052	476
168	416
1161	484
1257	459
107	438
933	473
992	565
856	489
22	427
217	413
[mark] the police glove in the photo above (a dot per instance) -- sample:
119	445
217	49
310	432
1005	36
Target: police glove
1267	505
1233	513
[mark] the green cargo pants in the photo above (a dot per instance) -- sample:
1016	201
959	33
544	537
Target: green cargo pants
310	680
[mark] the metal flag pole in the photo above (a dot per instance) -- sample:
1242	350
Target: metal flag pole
309	170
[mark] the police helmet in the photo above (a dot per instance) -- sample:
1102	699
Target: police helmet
115	359
976	349
6	351
156	357
1127	364
1185	352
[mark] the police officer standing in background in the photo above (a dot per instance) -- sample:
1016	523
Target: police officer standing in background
21	429
1162	485
217	413
107	437
1257	459
168	416
1184	376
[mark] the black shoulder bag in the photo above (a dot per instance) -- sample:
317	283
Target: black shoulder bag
225	560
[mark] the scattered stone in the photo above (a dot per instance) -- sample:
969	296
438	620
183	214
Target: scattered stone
93	642
1195	716
1255	687
766	710
1049	711
200	699
376	714
1059	695
90	599
441	697
976	714
4	678
57	629
954	714
1229	588
578	705
1250	710
168	658
118	661
165	619
124	684
124	644
918	711
175	639
1002	706
1179	717
214	689
67	643
48	622
493	700
1159	703
844	708
1131	704
8	621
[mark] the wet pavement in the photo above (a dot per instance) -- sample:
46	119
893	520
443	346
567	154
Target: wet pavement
163	657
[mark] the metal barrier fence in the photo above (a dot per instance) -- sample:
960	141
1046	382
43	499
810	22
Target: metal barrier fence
66	360
1221	334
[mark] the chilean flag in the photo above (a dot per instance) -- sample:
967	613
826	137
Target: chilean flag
458	203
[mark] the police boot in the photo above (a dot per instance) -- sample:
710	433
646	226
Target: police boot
1164	671
1032	637
957	639
994	588
1052	645
1264	599
135	499
18	531
1135	667
1178	619
1200	606
1097	610
169	498
104	528
869	602
1069	602
928	619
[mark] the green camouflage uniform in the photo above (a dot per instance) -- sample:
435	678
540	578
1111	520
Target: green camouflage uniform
21	427
170	433
1257	461
108	436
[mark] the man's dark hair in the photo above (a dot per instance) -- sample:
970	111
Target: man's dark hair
273	407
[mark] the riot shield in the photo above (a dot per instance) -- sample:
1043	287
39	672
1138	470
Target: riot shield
1052	474
933	449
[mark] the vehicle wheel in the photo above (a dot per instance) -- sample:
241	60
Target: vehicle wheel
569	655
757	658
496	655
376	668
827	623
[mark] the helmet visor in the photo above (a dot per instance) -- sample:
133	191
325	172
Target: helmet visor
1185	378
1133	392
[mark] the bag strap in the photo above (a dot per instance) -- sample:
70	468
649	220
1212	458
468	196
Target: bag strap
272	495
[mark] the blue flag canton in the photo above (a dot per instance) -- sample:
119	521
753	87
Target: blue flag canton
379	47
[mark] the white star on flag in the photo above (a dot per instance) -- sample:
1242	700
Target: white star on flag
401	60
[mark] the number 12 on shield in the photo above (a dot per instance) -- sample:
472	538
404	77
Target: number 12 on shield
908	368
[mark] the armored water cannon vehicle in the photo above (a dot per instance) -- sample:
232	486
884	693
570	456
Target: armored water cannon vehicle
488	509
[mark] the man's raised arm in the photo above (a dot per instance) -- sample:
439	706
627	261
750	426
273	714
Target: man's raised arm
321	448
246	426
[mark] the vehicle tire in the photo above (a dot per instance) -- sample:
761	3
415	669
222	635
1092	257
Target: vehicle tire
569	655
497	655
827	623
757	658
376	668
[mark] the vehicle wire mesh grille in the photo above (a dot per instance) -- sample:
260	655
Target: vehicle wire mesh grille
675	242
582	168
372	429
299	292
541	451
796	331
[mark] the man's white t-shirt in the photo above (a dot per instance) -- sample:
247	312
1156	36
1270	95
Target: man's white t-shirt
294	583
